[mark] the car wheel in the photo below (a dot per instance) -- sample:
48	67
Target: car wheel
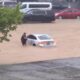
34	44
60	17
78	17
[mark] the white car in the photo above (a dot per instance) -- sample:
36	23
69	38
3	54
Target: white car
42	40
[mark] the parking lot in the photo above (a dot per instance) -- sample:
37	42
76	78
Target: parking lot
65	32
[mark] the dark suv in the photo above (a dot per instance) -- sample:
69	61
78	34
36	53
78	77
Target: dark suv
39	15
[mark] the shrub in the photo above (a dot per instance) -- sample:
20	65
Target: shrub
9	18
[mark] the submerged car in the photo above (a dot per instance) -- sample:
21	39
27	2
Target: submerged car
42	40
38	15
69	13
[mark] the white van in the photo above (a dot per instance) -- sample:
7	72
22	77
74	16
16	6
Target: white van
25	6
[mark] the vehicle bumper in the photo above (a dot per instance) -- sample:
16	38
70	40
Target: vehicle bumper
51	45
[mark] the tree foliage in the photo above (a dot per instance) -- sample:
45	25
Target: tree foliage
9	18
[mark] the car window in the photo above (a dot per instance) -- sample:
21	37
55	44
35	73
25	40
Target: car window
44	37
31	37
75	10
39	12
38	6
68	11
23	6
30	12
50	12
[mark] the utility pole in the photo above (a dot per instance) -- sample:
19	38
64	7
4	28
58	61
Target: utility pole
69	3
3	2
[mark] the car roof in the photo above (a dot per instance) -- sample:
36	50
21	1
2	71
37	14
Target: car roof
36	3
39	34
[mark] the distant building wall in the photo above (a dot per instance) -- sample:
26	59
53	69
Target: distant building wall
8	3
72	3
46	0
26	0
7	0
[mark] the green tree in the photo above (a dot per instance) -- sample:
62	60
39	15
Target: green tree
9	18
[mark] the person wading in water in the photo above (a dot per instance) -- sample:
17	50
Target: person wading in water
24	39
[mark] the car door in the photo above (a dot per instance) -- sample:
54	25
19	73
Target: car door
38	15
41	15
33	16
76	13
31	39
23	8
67	14
30	15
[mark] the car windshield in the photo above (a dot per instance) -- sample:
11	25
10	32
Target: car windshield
23	6
44	37
36	11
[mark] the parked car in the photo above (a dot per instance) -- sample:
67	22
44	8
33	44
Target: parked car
68	13
42	40
38	15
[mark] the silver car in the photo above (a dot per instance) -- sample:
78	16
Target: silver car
42	40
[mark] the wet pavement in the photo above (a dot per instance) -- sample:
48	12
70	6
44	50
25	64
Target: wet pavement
61	69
